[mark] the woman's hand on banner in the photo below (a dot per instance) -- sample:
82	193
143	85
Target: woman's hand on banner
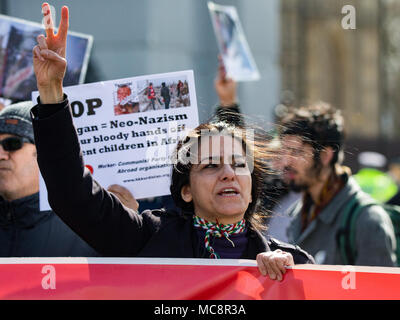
274	263
49	61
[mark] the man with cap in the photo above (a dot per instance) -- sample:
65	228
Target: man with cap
25	231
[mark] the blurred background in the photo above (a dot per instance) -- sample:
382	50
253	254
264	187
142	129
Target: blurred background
300	48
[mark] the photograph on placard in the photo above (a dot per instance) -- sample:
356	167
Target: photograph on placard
232	43
163	93
17	38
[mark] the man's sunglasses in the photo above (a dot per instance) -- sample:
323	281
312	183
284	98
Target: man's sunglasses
13	143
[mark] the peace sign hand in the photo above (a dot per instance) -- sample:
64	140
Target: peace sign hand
49	61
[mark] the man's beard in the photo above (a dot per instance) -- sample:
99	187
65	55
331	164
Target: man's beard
302	186
297	187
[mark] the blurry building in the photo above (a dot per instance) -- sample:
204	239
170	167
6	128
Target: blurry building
355	70
139	37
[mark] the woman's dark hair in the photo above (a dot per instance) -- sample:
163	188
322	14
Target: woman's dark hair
256	152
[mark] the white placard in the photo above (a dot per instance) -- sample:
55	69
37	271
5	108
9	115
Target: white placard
124	138
232	43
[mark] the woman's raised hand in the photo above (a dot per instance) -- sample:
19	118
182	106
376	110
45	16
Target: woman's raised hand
224	86
49	61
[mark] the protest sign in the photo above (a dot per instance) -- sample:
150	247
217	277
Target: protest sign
127	130
17	39
232	43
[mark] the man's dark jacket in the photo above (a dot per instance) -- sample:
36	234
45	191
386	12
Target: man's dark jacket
165	94
99	217
27	232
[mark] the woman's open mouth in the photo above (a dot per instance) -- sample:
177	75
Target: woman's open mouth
228	192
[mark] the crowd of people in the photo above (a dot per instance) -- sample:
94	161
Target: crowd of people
318	188
228	203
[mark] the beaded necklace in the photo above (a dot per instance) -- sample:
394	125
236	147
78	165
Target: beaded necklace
218	230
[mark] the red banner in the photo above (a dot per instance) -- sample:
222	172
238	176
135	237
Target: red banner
187	279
